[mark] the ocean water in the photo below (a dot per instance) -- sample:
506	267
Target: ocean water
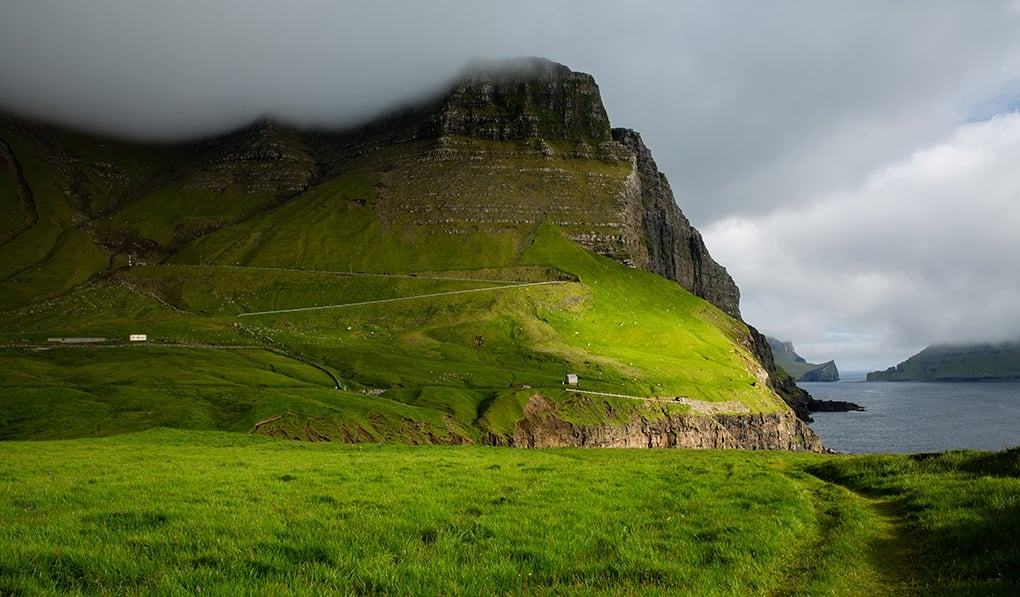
911	417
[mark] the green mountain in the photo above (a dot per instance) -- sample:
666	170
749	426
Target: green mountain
949	362
436	276
787	358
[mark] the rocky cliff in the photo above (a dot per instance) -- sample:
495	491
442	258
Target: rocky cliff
662	240
542	427
541	104
528	98
826	371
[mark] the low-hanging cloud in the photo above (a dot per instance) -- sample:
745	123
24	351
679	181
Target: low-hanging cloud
747	105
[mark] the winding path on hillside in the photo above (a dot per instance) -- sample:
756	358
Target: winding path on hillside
401	298
894	549
353	274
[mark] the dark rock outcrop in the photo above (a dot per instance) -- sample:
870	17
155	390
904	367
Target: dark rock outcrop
662	240
528	98
832	406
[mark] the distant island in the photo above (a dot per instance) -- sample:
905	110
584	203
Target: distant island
801	370
957	362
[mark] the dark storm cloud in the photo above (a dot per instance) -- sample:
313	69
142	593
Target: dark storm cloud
752	109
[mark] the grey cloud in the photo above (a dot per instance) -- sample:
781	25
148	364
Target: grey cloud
923	251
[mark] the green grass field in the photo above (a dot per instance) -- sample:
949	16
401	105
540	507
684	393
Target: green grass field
178	512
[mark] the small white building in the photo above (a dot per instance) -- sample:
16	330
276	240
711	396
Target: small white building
138	338
571	379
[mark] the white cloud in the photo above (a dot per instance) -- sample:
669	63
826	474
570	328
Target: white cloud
923	251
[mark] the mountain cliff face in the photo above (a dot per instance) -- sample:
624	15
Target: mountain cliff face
540	104
382	256
662	240
520	99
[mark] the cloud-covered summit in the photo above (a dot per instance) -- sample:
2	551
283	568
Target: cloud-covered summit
759	113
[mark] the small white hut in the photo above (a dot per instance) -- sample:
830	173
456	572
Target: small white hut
571	379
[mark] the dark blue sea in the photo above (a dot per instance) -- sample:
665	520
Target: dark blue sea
910	417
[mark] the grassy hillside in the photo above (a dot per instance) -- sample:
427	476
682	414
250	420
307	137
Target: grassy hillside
405	292
168	511
470	345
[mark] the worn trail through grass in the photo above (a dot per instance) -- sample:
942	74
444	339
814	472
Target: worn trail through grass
861	545
894	552
399	299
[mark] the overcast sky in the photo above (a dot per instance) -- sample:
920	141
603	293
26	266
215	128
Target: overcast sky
855	165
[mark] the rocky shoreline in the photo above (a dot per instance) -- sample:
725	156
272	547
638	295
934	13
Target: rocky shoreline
832	406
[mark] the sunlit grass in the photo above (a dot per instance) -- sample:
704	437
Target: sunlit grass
171	511
963	507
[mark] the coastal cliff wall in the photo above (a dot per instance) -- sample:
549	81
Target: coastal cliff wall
542	427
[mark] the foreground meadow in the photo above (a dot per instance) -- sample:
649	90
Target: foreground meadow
183	512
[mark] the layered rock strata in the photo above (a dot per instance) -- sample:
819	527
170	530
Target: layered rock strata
537	103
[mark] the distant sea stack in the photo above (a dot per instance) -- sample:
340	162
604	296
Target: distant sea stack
957	362
787	359
801	370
